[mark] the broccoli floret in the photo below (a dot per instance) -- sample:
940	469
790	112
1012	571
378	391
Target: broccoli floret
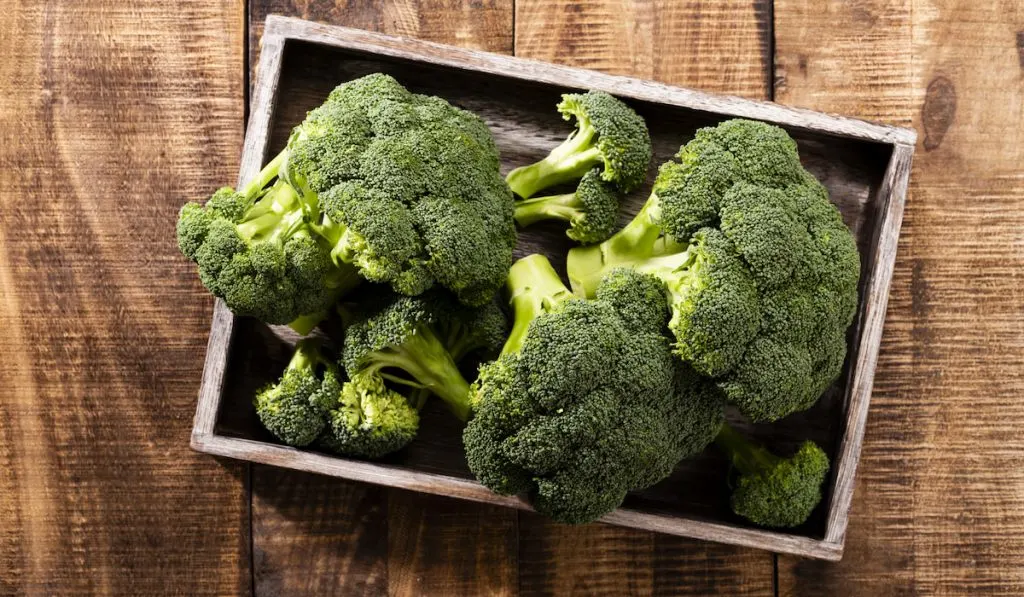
410	341
608	134
772	491
760	270
366	419
582	407
255	250
591	211
376	183
295	408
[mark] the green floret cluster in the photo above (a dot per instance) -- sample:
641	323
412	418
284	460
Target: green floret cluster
583	406
760	270
731	289
377	183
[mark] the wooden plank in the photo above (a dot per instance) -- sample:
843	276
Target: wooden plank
442	546
111	117
939	506
542	72
305	543
427	551
714	45
654	41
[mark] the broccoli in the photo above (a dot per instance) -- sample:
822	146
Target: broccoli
583	407
416	342
591	211
256	251
295	408
608	134
376	183
760	270
367	420
772	491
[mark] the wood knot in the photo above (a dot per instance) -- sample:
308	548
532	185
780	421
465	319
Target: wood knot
938	111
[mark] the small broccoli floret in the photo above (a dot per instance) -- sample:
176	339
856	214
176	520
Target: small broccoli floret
295	408
366	419
772	491
760	272
638	298
591	211
583	406
408	341
608	134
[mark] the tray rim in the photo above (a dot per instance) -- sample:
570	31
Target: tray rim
280	30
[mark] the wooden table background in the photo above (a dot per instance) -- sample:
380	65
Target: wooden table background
113	113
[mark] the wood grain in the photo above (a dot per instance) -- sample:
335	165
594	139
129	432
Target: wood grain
427	551
112	115
672	42
939	507
714	45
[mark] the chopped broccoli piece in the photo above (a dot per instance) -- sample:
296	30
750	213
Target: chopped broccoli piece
608	134
772	491
760	270
583	406
591	211
294	409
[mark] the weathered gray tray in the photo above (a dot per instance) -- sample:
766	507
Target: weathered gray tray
865	166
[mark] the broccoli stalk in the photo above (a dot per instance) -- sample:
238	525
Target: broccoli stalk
773	491
591	211
568	162
428	363
533	288
609	135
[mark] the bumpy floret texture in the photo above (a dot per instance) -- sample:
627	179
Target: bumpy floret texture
760	268
409	188
622	137
586	411
591	211
784	494
295	408
366	419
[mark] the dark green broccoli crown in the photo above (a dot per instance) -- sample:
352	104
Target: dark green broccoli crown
294	409
639	298
621	135
761	270
582	413
366	419
784	493
410	189
259	255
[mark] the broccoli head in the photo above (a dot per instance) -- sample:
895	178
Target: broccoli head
376	183
608	135
255	250
408	189
295	408
772	491
366	419
760	271
591	211
582	407
414	342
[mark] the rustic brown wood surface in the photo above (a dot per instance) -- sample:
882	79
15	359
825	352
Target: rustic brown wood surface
113	114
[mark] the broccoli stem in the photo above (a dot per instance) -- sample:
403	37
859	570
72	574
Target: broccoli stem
307	355
265	176
566	163
304	324
638	241
424	358
265	217
533	288
747	456
553	207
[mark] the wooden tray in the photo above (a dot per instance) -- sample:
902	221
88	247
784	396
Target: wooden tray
865	167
